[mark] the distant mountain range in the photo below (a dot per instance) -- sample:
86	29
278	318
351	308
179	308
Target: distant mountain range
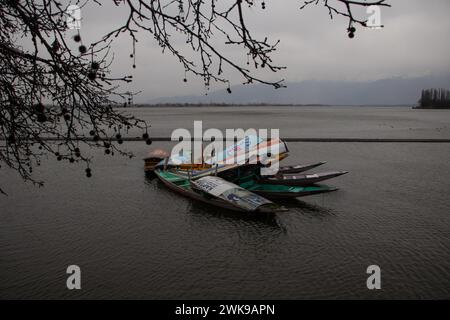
391	91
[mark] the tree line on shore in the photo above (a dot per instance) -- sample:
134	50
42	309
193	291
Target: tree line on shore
435	98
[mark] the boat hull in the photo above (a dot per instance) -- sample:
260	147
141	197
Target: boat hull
299	168
189	193
273	191
289	195
301	180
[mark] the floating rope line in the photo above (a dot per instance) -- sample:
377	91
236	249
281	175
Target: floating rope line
360	140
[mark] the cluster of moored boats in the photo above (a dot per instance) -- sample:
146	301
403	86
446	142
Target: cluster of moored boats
240	185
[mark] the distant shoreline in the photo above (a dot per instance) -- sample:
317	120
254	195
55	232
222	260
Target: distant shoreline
208	105
431	108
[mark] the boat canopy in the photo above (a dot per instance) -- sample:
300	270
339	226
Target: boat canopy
251	149
230	192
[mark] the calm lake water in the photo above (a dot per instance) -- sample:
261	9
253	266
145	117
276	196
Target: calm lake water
133	238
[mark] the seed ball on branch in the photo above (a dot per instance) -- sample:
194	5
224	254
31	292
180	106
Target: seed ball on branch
77	38
148	141
92	75
351	35
82	49
88	174
92	132
145	136
107	151
95	65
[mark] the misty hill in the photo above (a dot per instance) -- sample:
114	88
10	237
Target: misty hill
391	91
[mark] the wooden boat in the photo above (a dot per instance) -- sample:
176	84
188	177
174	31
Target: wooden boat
300	179
252	181
225	194
300	168
248	151
240	186
274	191
150	163
152	160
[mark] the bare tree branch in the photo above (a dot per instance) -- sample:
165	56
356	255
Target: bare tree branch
48	89
345	10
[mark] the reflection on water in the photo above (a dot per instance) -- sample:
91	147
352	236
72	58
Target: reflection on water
260	221
303	207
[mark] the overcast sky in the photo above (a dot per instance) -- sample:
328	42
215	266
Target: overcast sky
414	42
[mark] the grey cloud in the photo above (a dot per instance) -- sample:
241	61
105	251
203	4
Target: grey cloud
413	43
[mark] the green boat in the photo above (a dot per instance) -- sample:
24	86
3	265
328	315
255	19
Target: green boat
225	195
250	179
278	191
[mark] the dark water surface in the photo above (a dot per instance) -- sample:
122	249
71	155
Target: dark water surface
133	238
